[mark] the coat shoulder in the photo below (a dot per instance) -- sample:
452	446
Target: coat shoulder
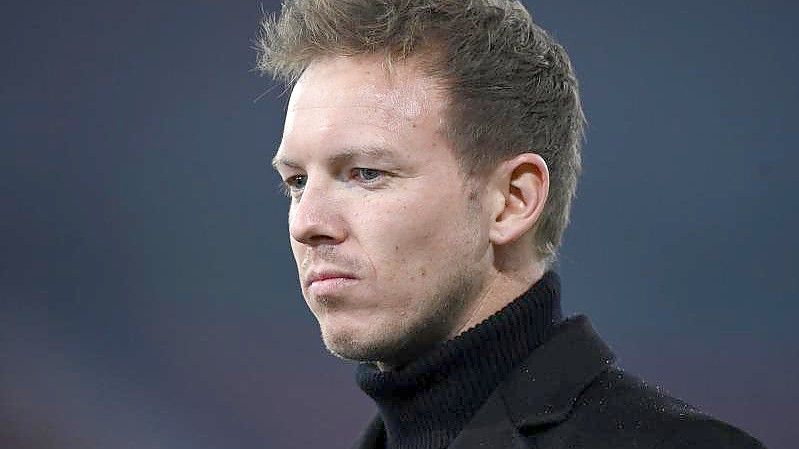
619	410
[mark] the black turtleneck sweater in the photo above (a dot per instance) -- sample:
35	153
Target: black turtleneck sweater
425	404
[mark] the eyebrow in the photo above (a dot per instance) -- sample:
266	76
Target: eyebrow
345	155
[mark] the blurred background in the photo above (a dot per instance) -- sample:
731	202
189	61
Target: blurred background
148	298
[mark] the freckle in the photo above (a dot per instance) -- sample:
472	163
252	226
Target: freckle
396	248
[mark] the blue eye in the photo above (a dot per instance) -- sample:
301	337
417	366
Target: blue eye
297	182
294	184
367	174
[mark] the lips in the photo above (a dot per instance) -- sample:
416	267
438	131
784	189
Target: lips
327	275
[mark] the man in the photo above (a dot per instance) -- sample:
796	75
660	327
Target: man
431	152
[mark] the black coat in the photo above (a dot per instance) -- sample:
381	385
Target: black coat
569	395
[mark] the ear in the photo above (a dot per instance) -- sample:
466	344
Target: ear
520	187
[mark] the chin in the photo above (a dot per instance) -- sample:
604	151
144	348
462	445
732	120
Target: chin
353	339
349	349
378	342
348	341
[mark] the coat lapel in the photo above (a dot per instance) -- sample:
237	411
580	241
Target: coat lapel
490	428
541	391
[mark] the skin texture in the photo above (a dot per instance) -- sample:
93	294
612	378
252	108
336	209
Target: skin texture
396	250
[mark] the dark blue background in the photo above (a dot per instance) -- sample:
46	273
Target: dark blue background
147	294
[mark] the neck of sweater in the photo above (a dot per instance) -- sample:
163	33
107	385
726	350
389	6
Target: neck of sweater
426	403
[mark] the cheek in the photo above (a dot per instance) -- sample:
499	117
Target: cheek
420	238
298	250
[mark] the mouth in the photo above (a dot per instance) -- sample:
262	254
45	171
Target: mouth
325	282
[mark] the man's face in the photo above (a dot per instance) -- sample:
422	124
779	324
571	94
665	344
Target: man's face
389	238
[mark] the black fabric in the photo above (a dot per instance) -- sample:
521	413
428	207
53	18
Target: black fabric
569	395
425	404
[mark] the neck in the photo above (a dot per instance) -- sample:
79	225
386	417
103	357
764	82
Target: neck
427	402
500	290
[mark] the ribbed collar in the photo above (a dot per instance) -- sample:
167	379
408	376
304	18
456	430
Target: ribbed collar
426	403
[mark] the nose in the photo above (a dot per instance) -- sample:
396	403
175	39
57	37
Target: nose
316	217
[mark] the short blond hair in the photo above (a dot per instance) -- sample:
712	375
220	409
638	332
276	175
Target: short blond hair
511	87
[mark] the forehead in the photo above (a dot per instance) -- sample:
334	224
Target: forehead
349	81
359	91
345	103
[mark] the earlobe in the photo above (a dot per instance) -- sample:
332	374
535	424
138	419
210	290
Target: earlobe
524	184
